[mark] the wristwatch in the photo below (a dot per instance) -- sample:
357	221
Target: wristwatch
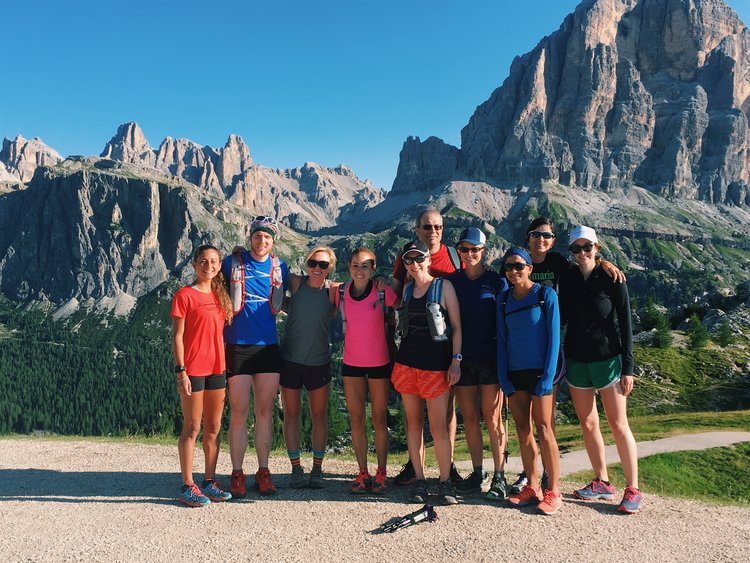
178	369
458	357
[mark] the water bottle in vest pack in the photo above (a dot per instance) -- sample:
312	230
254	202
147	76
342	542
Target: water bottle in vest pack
435	317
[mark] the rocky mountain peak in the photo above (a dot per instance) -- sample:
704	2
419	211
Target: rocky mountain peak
129	144
21	158
234	160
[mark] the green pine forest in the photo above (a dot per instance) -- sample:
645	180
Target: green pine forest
100	375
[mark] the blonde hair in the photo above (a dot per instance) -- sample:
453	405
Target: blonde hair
327	249
218	284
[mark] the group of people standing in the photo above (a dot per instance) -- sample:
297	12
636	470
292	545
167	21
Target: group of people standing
466	333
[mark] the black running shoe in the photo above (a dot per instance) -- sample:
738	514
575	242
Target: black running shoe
520	483
446	494
418	493
455	476
406	476
545	482
473	483
498	487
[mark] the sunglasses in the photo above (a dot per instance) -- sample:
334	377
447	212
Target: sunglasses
315	263
472	249
429	227
577	248
266	219
542	234
517	266
409	260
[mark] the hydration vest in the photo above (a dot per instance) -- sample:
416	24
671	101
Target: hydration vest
439	330
238	290
343	288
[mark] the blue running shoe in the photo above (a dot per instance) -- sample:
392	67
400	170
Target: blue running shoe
191	495
631	501
214	493
596	490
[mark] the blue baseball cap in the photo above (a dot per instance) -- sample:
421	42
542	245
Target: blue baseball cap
472	235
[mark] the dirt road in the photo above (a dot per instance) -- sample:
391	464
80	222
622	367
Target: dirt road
101	501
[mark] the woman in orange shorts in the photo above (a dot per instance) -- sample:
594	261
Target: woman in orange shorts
427	364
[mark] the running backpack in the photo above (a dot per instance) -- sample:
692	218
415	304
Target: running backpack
439	329
455	258
238	291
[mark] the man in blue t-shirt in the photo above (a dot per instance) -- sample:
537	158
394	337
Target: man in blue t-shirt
252	352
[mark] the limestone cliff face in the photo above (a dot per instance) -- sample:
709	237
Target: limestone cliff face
21	158
89	233
424	165
653	93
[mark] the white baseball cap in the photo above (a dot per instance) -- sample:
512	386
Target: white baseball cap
582	232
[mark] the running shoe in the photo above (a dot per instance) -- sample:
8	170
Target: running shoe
526	497
238	484
551	503
298	479
631	501
455	476
473	483
596	490
418	493
498	488
545	481
361	483
406	476
446	493
191	495
263	483
520	482
214	493
316	478
378	483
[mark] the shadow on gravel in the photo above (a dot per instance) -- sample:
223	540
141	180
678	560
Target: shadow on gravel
600	506
42	485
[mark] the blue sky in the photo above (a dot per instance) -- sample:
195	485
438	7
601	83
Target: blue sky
329	81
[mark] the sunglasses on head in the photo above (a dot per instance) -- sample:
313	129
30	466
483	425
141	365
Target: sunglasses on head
315	263
266	219
577	248
409	260
428	227
542	234
517	266
472	249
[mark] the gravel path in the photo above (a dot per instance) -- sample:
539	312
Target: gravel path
111	501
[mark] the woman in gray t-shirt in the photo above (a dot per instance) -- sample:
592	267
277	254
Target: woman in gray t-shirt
306	360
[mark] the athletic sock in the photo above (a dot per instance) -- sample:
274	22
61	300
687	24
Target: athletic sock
499	474
207	482
294	458
478	470
382	470
318	458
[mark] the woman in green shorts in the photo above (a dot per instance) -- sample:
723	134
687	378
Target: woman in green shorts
599	354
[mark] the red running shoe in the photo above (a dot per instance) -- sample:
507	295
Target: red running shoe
377	485
551	503
263	482
526	497
237	485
